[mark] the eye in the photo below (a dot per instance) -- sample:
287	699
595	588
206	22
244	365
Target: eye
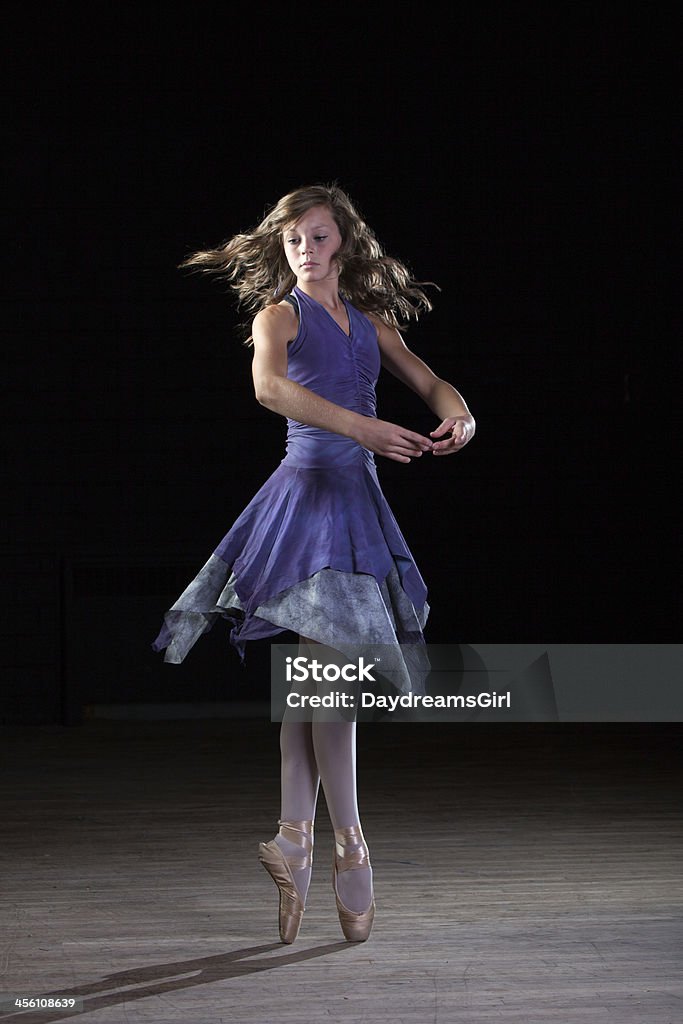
320	238
292	241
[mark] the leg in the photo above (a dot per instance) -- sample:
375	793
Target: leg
287	858
299	778
299	782
334	743
335	751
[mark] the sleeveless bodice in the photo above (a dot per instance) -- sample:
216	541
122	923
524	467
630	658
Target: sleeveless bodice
343	369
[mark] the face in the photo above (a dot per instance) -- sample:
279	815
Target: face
310	245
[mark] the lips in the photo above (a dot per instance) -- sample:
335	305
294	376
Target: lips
309	264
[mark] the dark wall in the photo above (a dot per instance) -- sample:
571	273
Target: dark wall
515	169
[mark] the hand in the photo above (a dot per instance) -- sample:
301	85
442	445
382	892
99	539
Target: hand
461	429
392	441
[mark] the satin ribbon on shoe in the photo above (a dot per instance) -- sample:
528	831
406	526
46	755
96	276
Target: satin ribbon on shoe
280	868
350	854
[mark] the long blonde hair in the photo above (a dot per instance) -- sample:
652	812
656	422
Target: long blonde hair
255	266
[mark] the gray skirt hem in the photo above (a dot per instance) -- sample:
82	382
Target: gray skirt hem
350	612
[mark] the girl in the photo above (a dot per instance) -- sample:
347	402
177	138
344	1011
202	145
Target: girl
317	550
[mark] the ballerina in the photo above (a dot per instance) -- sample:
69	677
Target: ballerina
318	551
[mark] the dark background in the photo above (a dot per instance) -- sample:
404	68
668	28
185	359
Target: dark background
521	165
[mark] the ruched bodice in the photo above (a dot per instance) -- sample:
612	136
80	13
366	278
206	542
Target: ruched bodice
341	368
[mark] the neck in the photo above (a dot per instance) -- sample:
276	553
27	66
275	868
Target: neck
325	292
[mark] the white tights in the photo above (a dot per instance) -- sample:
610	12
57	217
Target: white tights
314	752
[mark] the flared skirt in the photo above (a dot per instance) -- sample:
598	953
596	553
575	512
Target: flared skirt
317	552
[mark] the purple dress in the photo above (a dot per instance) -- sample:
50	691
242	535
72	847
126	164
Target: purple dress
317	550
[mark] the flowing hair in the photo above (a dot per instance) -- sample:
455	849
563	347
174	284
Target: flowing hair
255	266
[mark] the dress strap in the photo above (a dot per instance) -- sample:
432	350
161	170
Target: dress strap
293	302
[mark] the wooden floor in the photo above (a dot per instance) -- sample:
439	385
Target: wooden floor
524	873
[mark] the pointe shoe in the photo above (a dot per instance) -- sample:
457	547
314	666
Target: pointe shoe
280	870
356	926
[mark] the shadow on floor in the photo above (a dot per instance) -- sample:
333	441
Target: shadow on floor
171	977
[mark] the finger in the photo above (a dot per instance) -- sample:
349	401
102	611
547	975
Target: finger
447	447
410	444
442	428
458	434
454	445
423	443
414	453
397	447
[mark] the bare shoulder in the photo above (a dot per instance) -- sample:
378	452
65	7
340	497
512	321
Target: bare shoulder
387	336
278	323
381	326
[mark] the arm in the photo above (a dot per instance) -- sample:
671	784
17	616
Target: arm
272	329
441	397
